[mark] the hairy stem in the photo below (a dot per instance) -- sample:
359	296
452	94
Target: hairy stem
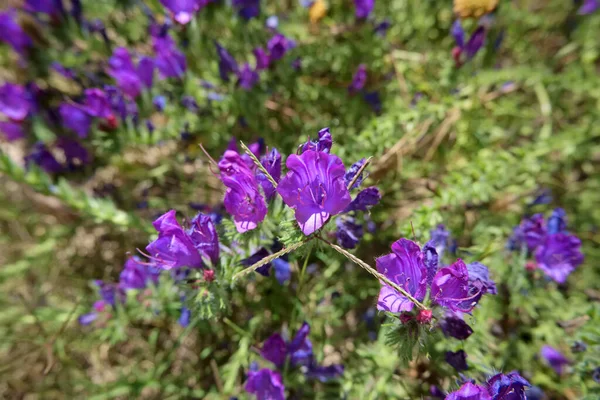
360	171
259	164
270	258
375	273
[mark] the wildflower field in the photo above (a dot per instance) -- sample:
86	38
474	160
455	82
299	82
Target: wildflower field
300	199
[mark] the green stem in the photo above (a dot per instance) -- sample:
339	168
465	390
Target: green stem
375	273
270	258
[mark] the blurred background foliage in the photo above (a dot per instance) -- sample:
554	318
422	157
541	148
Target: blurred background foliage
468	147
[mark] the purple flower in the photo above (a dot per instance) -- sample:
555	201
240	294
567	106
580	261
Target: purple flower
534	231
242	200
97	103
557	222
588	7
299	350
185	317
272	163
374	101
12	130
351	173
440	239
359	79
262	58
322	144
325	374
554	358
507	387
12	33
256	257
130	79
458	33
159	102
75	154
227	64
87	319
64	71
278	45
247	9
137	275
450	288
405	267
348	232
457	359
183	10
559	255
176	248
363	8
50	7
469	48
41	156
265	384
469	391
283	271
169	61
365	199
314	188
76	118
479	278
382	28
15	102
247	77
455	327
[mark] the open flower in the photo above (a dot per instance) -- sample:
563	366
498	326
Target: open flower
314	187
265	384
470	391
243	199
130	79
555	359
559	255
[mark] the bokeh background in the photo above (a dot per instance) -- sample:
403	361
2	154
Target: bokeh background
469	147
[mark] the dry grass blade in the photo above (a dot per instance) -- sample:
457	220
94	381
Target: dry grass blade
259	164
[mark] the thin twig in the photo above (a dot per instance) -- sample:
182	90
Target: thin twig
271	257
259	164
360	171
215	370
375	273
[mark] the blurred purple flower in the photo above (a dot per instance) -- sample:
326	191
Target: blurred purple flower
374	101
265	384
348	232
97	103
12	130
455	327
588	7
365	199
351	173
509	386
247	77
314	188
534	231
183	11
283	271
185	317
359	79
382	28
450	288
272	163
204	235
41	156
136	274
363	8
227	64
470	48
278	46
559	255
15	102
247	9
75	154
322	144
262	58
50	7
457	359
440	238
557	222
130	79
12	33
554	358
480	273
242	200
76	118
169	60
405	267
469	391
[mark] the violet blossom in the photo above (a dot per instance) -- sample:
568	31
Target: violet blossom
588	7
12	130
359	79
278	46
227	64
176	247
169	60
363	8
247	77
314	187
12	33
247	9
15	102
457	359
272	163
469	391
555	359
509	386
76	118
243	199
466	50
130	79
559	255
265	384
183	10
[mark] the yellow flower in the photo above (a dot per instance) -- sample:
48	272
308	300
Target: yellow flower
474	8
317	11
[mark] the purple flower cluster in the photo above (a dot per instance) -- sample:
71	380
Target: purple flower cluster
130	79
296	353
247	76
169	60
509	386
136	275
15	104
183	11
557	252
12	33
456	288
